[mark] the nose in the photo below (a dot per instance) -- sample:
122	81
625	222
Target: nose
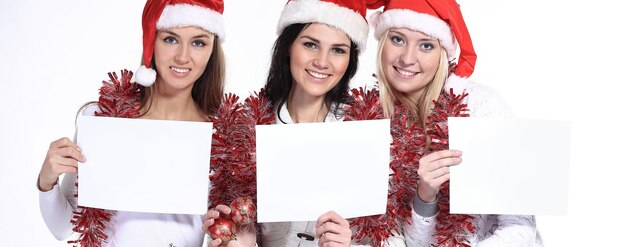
409	57
182	54
321	60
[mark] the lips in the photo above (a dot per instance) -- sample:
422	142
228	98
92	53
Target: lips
405	73
179	72
317	75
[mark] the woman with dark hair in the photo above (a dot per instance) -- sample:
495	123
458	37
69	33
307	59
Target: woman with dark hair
284	87
182	78
314	58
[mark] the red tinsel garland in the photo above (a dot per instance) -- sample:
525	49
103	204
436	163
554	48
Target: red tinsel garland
451	229
233	157
374	230
223	149
409	141
118	98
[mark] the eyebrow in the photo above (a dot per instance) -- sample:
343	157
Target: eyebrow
397	33
317	41
404	36
194	37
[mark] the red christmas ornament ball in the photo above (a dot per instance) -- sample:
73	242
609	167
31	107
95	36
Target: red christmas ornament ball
242	210
223	229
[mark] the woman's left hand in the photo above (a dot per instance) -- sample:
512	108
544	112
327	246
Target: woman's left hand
333	230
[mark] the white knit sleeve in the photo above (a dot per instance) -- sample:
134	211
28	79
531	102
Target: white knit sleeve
420	231
512	230
396	240
57	206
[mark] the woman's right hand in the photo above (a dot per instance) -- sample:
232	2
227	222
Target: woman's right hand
433	171
244	238
62	157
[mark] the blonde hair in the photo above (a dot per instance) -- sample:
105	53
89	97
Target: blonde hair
421	108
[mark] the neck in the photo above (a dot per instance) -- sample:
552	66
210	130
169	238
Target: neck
167	104
417	95
306	109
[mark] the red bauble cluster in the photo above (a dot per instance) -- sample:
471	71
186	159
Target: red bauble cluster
242	212
223	229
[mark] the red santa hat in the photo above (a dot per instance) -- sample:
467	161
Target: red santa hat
164	14
441	19
347	15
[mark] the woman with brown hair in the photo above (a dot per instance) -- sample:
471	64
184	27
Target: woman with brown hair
182	78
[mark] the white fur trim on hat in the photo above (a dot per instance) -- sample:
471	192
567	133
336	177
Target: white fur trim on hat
184	15
425	23
145	76
316	11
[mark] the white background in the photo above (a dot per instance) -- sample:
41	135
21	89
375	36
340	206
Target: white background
552	59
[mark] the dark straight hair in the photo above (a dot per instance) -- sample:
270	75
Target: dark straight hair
280	81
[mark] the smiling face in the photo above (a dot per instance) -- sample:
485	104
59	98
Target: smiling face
410	60
181	56
319	57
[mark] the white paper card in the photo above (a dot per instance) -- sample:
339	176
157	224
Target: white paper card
510	166
140	165
305	170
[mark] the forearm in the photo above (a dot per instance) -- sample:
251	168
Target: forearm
56	209
423	221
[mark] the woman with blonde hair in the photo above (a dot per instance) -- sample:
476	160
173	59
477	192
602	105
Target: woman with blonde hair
417	72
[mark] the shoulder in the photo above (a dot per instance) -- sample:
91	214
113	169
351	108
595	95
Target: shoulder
336	112
282	115
482	100
89	109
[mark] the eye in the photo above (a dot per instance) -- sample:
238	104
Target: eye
427	46
198	43
337	50
397	40
310	45
170	40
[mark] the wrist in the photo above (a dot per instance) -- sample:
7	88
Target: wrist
426	209
426	196
45	187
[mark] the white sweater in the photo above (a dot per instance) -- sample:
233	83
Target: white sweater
125	228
